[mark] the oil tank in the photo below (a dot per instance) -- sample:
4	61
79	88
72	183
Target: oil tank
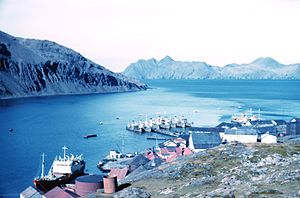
87	184
110	184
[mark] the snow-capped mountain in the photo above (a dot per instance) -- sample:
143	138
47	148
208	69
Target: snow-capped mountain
167	68
31	67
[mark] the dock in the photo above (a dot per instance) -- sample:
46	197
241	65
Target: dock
156	138
165	132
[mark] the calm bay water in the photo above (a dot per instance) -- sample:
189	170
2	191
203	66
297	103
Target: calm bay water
45	124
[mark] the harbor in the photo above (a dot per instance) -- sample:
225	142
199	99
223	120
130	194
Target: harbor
77	116
243	129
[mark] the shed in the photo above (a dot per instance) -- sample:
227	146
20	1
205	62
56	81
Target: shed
203	140
137	161
293	127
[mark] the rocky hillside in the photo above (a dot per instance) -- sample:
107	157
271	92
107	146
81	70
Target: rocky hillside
252	170
167	68
31	67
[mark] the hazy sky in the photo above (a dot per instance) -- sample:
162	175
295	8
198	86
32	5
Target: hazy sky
115	33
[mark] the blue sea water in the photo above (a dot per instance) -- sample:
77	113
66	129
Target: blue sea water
45	124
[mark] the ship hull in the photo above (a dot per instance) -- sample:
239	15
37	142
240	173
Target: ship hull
46	184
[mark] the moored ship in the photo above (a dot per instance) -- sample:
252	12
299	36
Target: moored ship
63	170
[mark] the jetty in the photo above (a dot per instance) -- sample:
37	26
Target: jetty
156	138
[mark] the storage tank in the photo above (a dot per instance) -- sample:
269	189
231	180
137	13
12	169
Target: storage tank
87	184
110	184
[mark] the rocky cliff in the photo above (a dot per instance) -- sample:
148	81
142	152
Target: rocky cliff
31	67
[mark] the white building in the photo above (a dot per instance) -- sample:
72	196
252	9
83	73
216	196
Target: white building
268	138
243	135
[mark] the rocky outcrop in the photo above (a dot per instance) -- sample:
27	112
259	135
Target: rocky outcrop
132	193
167	68
31	67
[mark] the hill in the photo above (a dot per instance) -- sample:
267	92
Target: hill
251	170
30	67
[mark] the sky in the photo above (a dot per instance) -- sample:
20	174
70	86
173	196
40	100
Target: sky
115	33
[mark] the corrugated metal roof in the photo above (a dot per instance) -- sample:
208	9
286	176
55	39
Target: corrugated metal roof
270	129
171	157
261	122
280	122
139	160
178	151
164	150
120	173
205	140
246	130
228	125
57	192
30	192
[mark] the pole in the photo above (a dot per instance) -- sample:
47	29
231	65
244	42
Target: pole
65	150
43	165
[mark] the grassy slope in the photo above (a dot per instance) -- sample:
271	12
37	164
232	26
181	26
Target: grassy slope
253	170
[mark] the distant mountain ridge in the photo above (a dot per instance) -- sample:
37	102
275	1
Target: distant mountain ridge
167	68
30	67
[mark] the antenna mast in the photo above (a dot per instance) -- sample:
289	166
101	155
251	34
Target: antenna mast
43	165
65	151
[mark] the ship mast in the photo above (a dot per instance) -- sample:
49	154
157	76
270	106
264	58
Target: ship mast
43	165
65	151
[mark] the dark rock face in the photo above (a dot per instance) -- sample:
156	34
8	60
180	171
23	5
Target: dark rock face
4	51
35	68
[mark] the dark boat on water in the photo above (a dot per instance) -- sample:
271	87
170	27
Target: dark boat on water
90	135
63	170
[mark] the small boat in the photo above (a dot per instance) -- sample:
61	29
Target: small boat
100	123
90	136
113	160
11	130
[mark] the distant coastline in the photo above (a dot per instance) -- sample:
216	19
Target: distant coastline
260	69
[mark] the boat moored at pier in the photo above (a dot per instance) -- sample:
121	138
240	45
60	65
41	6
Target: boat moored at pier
63	170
